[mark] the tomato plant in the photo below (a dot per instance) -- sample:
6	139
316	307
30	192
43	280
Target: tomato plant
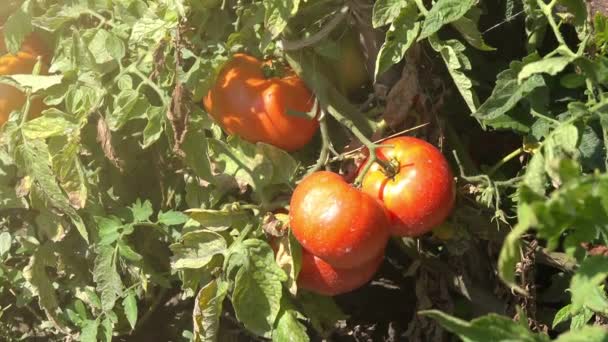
420	191
246	102
337	222
145	203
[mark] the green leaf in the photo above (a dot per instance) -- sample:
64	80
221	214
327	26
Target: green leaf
278	12
154	128
580	320
510	254
196	249
195	148
107	278
108	229
561	316
128	105
399	38
34	158
535	173
284	166
107	326
151	29
491	327
89	331
585	285
17	27
219	219
53	123
172	218
5	243
207	311
127	252
257	289
585	334
551	66
508	92
457	63
130	306
467	26
39	281
322	311
289	328
442	13
386	11
141	211
106	47
33	82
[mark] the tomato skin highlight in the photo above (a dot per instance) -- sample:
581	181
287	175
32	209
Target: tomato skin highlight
337	222
320	277
421	194
247	104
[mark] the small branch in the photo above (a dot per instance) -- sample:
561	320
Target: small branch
373	157
547	10
351	152
317	37
421	7
555	259
505	160
325	143
152	85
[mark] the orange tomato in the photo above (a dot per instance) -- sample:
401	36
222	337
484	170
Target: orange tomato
23	62
248	104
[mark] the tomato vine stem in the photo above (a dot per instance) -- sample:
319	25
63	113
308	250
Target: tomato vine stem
505	160
325	145
371	146
317	37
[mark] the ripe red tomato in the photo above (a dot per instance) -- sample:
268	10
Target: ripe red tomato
254	107
336	222
421	194
320	277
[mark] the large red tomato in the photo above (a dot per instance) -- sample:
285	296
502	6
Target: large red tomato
320	277
256	108
421	193
336	222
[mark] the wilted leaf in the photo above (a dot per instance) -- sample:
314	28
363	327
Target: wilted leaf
207	310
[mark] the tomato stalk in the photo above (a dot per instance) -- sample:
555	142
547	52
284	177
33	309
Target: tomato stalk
371	146
325	146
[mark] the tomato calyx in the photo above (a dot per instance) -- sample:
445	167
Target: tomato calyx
274	69
390	168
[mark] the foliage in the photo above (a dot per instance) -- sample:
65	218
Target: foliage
125	191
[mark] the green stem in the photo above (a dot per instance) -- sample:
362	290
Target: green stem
371	147
26	109
547	10
421	7
325	142
505	160
317	37
152	85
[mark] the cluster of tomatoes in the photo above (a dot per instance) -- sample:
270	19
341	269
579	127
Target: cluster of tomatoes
22	62
343	229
